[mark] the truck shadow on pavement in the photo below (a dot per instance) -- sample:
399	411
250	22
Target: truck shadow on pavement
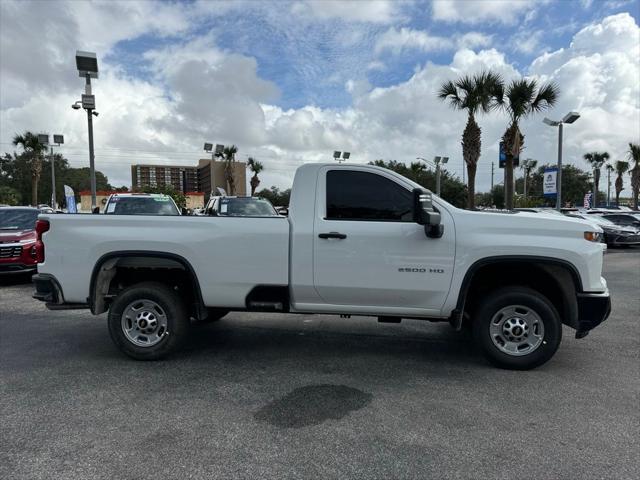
331	352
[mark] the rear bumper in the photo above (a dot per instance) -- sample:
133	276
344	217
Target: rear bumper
48	290
593	309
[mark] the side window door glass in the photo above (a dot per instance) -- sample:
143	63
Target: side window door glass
364	196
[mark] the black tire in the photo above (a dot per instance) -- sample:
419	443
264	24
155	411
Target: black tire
530	299
174	309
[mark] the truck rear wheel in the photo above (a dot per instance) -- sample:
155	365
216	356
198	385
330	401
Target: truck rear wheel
148	321
517	328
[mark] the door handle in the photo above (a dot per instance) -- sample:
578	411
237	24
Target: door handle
340	236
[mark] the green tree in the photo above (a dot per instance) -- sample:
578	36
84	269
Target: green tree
596	160
9	196
634	155
16	173
256	167
473	94
521	99
621	168
33	151
178	197
229	155
575	184
279	198
451	188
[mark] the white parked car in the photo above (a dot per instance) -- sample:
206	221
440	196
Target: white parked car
359	240
140	204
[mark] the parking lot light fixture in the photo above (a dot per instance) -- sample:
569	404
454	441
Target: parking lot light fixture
87	65
437	161
568	118
57	141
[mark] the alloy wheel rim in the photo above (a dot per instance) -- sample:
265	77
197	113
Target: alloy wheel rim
144	323
516	330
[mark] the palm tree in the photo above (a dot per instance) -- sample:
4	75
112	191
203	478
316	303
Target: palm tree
416	169
521	99
256	167
634	154
473	94
621	167
33	150
229	154
597	160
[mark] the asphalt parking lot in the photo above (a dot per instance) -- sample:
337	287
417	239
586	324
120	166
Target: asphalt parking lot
270	396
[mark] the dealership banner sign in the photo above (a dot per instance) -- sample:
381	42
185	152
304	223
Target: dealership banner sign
71	199
549	182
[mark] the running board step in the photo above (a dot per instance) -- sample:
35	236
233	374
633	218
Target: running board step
389	319
268	306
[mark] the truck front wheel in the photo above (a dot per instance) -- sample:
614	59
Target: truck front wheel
148	321
517	328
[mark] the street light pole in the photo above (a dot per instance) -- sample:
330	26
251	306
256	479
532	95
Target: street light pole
53	181
559	174
87	65
568	118
437	161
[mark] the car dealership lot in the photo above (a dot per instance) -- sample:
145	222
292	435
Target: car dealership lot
271	396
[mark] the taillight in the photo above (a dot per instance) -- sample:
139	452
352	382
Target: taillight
41	227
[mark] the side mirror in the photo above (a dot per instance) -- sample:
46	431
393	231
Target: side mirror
425	214
96	210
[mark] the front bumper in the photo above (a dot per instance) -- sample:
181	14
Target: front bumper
618	239
593	309
16	268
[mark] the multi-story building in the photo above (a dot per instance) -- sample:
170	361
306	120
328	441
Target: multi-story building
181	178
211	176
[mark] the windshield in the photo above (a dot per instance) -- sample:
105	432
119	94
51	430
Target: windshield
141	206
18	219
246	207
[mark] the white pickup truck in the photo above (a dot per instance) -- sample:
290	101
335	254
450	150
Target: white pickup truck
359	240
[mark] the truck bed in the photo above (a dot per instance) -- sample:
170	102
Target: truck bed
230	255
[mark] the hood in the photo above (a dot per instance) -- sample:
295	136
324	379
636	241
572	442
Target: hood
506	222
14	236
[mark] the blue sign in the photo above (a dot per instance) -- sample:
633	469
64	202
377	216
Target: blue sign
550	182
502	157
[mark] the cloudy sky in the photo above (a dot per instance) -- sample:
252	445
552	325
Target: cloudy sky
289	82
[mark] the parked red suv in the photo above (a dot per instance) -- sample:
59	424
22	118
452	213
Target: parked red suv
18	239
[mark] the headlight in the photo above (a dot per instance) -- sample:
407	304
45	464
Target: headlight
593	236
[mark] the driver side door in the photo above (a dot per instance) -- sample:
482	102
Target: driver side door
367	249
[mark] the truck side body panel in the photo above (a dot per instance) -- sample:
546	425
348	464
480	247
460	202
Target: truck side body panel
228	255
